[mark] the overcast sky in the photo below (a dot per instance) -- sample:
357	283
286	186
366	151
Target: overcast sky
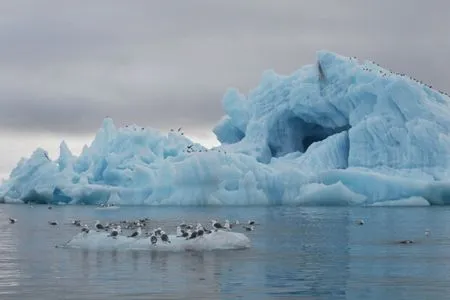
65	65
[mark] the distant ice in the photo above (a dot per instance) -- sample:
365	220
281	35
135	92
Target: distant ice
337	132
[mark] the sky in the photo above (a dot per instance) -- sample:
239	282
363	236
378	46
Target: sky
65	65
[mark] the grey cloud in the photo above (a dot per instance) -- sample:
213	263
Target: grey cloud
65	65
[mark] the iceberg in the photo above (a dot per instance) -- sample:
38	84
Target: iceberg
337	132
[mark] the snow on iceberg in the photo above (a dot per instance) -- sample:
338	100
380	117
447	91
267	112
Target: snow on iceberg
337	132
220	240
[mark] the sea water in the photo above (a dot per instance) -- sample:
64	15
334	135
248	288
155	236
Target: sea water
296	252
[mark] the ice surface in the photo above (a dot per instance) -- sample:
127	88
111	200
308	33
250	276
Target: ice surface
337	132
219	240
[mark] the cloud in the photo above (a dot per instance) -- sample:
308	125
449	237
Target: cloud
66	65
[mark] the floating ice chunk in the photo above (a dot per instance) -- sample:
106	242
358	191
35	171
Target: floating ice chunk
217	240
411	201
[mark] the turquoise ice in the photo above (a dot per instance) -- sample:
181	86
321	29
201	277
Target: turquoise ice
337	132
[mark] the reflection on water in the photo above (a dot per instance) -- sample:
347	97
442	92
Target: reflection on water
316	253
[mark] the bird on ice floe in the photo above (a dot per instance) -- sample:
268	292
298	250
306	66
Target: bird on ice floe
98	225
216	225
164	237
76	223
12	221
137	233
251	222
85	229
153	239
157	232
227	225
115	232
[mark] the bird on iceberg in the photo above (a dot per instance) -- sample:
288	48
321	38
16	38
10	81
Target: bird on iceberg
153	239
115	232
216	225
76	223
227	225
98	225
157	231
137	233
192	235
85	229
12	221
164	237
179	231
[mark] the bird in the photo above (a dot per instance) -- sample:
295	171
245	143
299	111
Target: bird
251	222
192	235
227	225
85	229
359	222
153	239
157	231
99	226
53	223
137	233
249	228
76	223
115	232
406	242
216	225
164	237
12	221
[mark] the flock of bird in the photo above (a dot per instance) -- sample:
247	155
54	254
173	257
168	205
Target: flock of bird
136	227
191	149
384	74
183	230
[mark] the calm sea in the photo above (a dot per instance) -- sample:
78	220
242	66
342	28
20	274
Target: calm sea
297	253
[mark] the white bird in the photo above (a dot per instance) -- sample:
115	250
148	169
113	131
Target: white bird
179	232
85	229
227	225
